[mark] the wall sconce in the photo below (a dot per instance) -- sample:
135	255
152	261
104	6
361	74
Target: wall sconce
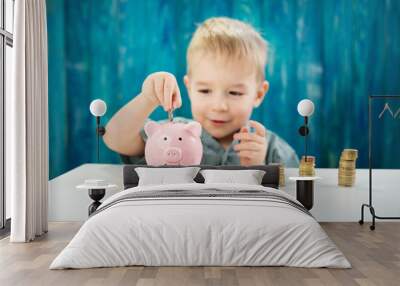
98	108
305	109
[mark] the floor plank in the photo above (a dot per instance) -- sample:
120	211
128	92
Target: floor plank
374	255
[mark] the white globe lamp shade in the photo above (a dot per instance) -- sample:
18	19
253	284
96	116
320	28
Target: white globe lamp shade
98	107
305	107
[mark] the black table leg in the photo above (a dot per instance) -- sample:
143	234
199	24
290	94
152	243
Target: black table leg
96	195
305	193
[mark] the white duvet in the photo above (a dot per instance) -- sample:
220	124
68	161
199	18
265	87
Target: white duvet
183	231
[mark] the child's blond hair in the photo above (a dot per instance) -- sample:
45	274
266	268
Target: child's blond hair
231	38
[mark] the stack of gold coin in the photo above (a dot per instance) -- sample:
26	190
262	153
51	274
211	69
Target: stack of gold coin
281	175
307	167
347	167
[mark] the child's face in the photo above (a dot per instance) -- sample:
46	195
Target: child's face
223	93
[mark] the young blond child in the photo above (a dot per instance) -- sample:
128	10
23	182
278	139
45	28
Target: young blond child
225	80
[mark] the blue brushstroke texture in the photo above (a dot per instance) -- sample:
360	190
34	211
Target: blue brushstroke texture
334	52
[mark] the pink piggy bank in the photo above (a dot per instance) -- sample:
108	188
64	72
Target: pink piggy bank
173	143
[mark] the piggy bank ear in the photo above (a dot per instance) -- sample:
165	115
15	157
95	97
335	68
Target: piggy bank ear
150	127
194	127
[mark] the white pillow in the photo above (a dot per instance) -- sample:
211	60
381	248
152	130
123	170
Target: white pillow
163	176
249	177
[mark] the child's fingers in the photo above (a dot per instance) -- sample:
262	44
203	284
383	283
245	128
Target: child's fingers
241	130
177	100
168	92
247	145
259	128
249	136
159	90
245	154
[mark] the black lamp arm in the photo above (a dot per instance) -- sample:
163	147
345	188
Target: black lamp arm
100	130
305	137
304	131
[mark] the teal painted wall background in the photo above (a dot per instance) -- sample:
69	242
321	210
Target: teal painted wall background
334	52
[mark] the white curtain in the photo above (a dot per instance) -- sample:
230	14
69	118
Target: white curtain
27	123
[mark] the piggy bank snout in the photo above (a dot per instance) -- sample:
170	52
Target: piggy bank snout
173	154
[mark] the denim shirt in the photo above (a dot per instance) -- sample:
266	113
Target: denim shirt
278	151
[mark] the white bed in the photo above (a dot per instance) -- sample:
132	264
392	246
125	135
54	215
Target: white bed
224	225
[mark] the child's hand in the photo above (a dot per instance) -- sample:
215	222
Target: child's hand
162	89
252	148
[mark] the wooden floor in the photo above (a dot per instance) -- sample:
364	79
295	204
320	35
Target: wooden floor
374	255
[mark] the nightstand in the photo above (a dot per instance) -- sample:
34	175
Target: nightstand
96	189
305	190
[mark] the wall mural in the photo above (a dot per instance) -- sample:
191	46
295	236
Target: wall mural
335	53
